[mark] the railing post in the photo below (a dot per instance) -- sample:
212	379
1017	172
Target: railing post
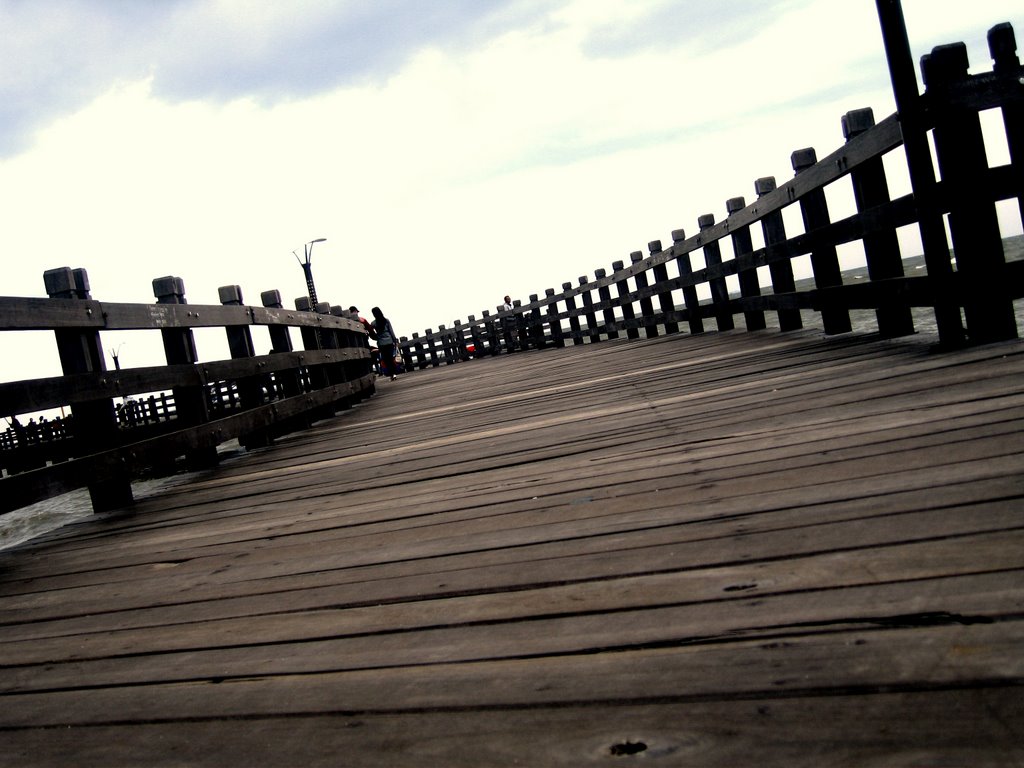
574	319
973	224
498	330
191	404
1002	45
774	230
94	423
604	296
719	288
881	248
554	323
824	258
646	302
690	297
743	247
240	346
626	306
665	303
534	328
593	331
312	341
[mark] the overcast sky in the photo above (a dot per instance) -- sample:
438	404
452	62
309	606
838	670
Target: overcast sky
450	151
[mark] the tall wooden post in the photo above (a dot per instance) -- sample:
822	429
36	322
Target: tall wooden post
94	423
743	247
973	224
881	248
919	163
824	258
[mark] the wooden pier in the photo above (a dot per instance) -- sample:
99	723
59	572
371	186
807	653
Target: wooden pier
719	549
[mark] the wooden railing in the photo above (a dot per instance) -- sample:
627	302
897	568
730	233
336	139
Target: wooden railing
648	299
125	422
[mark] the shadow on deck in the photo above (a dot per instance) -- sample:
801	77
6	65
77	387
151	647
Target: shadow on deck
727	549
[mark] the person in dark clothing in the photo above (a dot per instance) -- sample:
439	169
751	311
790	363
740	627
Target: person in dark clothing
386	342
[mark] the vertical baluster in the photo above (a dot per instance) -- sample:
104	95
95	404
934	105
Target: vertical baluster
593	329
683	263
665	303
973	224
574	319
719	288
742	248
824	258
881	248
1002	44
604	296
774	230
646	302
95	422
625	305
191	404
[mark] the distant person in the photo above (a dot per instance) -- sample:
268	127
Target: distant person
386	342
508	325
363	320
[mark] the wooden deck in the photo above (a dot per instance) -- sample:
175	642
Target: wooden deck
726	549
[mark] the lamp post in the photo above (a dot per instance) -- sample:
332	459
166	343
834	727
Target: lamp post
307	267
114	353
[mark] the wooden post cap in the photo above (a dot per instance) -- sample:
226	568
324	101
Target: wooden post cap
549	291
230	294
636	256
169	287
764	185
735	204
337	310
654	246
946	63
706	221
81	280
856	121
304	304
803	159
517	303
323	307
618	265
1002	44
678	235
566	286
59	283
471	319
599	273
583	279
271	299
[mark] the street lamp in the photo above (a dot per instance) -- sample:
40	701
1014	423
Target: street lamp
307	267
114	354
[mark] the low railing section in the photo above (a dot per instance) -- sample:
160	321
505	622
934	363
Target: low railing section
124	423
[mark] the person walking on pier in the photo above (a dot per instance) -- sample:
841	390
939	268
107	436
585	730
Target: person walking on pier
508	325
386	342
